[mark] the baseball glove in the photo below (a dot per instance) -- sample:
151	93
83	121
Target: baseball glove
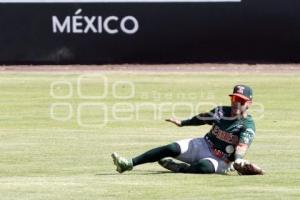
247	168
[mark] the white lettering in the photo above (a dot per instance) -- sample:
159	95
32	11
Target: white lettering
90	25
106	27
135	25
80	24
58	27
99	24
76	23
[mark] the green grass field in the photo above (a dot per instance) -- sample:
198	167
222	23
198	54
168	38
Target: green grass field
56	137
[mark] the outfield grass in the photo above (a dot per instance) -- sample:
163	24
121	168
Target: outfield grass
46	158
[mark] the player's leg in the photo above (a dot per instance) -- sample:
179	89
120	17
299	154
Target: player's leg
191	150
200	159
204	166
156	154
153	155
196	156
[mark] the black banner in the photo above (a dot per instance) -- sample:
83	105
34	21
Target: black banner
150	32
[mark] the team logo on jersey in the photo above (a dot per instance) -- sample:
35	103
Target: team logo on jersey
225	136
218	114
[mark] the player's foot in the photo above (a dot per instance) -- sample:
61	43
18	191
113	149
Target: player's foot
122	164
172	166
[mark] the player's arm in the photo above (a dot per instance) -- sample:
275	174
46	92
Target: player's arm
198	120
240	151
246	138
242	166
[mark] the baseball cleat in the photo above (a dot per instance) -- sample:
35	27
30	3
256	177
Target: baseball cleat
171	165
122	163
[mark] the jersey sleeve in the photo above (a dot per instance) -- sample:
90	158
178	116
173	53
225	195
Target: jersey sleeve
247	135
201	119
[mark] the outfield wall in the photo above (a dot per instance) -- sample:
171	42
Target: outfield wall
149	31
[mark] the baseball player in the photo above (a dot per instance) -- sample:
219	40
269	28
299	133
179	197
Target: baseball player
232	131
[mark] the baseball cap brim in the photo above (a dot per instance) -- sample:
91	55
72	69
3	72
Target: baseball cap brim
240	95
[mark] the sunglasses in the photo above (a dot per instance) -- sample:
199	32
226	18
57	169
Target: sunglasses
237	99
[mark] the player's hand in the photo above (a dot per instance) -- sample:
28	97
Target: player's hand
175	121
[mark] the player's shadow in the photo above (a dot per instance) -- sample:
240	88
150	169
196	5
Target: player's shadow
136	173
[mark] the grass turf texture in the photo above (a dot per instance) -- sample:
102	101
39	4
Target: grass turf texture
44	158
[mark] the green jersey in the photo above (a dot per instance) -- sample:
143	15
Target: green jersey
226	132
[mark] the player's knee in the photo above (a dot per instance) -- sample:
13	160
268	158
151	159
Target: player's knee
173	149
203	167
